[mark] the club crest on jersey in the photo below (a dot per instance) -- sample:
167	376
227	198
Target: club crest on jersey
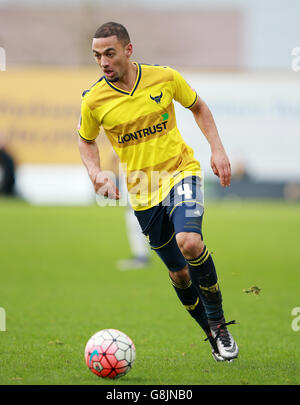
157	98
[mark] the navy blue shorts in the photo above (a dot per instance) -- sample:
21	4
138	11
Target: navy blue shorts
181	211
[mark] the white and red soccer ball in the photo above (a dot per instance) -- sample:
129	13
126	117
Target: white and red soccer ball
110	353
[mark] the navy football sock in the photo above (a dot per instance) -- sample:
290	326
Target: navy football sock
190	299
204	278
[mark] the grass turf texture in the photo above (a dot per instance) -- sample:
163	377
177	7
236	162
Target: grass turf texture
59	285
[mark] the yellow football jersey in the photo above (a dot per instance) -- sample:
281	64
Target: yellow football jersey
141	126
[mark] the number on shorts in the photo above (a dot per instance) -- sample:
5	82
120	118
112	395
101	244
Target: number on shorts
185	190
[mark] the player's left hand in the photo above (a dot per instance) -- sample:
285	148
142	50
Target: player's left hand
103	185
221	166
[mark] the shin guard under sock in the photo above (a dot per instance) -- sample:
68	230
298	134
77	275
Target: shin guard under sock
189	297
204	278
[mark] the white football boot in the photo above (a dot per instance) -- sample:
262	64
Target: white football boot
214	349
227	347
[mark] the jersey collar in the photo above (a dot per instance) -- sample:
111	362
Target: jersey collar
129	93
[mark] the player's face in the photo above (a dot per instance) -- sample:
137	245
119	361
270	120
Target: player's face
112	56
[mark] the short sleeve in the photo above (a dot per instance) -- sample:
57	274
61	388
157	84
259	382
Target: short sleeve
88	126
183	93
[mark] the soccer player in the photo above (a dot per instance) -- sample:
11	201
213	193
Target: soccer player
134	104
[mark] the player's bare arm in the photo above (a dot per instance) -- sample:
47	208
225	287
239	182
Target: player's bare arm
220	163
102	183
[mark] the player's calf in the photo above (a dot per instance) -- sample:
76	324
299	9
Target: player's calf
189	297
202	272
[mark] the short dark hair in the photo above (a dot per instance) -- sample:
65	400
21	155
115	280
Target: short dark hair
112	28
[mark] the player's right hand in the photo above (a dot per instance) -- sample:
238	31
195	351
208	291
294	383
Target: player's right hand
103	185
221	166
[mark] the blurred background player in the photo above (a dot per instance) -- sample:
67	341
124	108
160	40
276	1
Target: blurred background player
138	244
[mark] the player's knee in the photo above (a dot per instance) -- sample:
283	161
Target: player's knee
190	244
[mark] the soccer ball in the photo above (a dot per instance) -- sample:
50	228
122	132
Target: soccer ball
110	353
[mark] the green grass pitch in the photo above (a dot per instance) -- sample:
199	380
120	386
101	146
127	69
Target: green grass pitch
59	285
